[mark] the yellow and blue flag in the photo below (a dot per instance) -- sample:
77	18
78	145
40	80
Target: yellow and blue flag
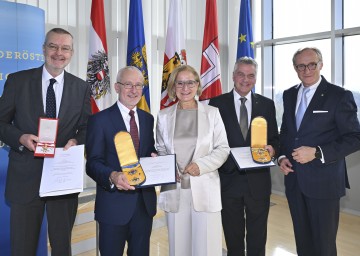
245	36
136	51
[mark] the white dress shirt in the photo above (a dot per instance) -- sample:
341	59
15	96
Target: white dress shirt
58	88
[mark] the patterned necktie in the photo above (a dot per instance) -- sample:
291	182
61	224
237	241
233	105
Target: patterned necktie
243	118
51	100
302	107
134	131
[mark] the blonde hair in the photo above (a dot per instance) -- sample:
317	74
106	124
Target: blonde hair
173	76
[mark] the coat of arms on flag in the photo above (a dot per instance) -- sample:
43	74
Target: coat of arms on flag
98	74
98	67
175	53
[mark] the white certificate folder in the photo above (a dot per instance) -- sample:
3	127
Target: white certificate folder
64	173
243	159
159	170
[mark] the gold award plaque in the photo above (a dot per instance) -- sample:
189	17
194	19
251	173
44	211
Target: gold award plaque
259	141
128	159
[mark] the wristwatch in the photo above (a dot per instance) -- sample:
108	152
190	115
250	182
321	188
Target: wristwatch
318	154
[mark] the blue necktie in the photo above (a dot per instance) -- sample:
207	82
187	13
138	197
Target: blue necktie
302	107
51	100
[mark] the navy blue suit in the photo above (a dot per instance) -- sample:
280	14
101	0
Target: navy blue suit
314	189
114	207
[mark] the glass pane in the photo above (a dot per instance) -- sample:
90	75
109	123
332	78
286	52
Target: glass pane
258	75
284	73
256	5
351	70
293	18
351	13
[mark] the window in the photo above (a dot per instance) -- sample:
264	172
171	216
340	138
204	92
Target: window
293	18
351	68
351	13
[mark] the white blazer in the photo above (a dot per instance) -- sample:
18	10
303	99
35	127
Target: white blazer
212	150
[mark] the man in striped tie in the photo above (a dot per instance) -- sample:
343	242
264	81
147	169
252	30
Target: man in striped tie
124	213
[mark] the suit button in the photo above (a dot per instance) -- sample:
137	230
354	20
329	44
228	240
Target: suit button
296	138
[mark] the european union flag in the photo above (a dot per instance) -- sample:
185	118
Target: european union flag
245	36
136	51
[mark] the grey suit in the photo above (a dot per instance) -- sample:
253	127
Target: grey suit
21	106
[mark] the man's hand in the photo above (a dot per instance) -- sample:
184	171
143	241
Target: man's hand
285	166
70	143
271	150
192	169
29	141
304	154
120	181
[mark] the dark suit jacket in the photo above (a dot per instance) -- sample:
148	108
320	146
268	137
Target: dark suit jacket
113	206
331	122
21	106
259	179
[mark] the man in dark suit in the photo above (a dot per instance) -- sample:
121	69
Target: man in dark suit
319	128
123	212
245	194
22	104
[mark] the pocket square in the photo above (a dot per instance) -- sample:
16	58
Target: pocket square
320	111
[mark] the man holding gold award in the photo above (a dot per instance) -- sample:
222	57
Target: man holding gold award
117	138
252	132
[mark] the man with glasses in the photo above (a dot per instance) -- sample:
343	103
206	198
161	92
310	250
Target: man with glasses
48	91
124	213
245	194
319	129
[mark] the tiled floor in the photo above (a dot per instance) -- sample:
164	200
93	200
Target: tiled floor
280	233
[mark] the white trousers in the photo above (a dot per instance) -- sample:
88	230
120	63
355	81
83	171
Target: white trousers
193	233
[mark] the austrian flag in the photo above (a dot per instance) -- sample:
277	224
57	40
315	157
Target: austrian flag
98	68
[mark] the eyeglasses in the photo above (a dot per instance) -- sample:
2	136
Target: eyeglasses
310	66
55	48
190	84
129	85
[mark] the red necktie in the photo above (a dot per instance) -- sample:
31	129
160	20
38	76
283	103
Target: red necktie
134	131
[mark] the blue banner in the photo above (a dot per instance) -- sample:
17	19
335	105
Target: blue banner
245	36
136	50
22	30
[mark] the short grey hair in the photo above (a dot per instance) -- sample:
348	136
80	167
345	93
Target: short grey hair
246	60
301	50
127	68
57	31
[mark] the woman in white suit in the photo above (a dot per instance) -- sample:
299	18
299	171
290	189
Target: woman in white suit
196	134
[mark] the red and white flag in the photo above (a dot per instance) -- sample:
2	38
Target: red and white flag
210	60
175	53
98	67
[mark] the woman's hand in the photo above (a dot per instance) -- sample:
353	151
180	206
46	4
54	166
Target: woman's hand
192	169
